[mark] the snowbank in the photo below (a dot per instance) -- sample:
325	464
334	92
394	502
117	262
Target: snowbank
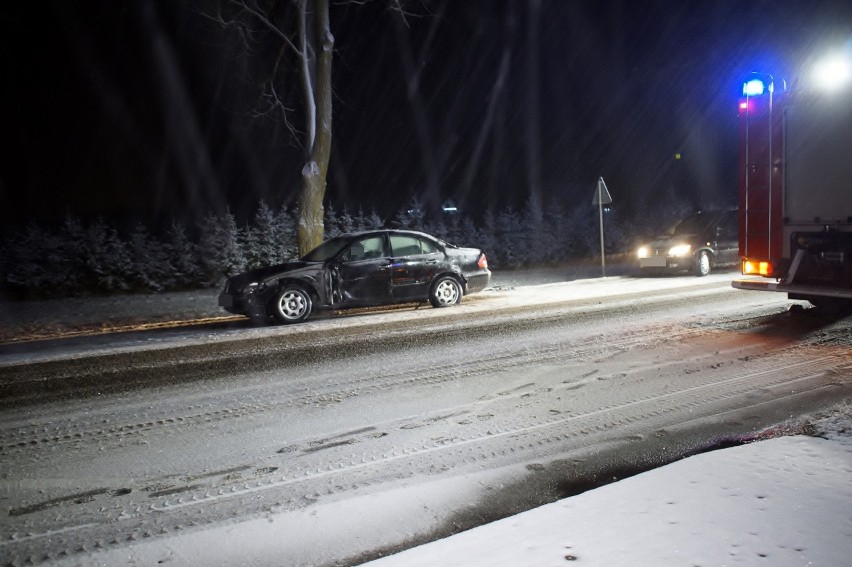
780	502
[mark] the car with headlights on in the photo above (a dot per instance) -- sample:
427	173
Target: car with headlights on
376	267
699	243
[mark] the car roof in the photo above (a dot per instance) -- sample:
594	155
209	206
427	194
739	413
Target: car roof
389	231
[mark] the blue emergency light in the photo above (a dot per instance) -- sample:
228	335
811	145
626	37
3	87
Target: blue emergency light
754	87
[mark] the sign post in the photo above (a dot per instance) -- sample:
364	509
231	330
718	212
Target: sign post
602	198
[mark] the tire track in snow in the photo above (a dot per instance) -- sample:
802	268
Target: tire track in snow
115	425
299	487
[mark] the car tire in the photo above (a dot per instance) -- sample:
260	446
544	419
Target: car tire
291	304
445	291
701	265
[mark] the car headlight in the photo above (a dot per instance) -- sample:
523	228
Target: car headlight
250	287
680	250
643	252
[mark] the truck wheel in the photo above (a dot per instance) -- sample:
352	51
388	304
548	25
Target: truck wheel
701	265
831	305
292	304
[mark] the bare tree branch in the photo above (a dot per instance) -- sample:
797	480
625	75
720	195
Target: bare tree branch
260	17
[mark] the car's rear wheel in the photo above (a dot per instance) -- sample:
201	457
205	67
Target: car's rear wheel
292	304
702	264
445	291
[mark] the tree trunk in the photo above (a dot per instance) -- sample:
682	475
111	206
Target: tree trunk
310	231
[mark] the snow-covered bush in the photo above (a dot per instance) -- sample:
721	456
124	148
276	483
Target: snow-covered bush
149	262
221	247
184	265
93	257
271	238
96	258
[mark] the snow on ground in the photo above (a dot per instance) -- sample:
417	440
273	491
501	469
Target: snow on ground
780	502
69	316
783	502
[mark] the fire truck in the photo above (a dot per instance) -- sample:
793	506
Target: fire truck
795	187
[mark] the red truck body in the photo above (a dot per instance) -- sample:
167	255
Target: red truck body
795	193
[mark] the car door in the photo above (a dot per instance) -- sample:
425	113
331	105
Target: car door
362	272
416	260
727	238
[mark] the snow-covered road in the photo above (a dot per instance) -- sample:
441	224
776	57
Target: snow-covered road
401	426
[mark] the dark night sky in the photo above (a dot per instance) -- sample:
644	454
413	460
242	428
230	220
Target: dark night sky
139	110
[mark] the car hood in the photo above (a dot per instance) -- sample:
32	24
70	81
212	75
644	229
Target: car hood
294	268
666	241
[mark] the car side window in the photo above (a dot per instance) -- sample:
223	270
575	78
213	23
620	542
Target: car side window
728	225
427	247
404	245
365	249
411	246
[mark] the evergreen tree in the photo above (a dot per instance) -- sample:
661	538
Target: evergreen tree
95	259
374	221
32	262
182	256
412	216
108	256
261	239
467	234
149	266
583	237
346	222
618	232
487	239
332	223
454	230
360	221
555	226
535	240
220	247
510	238
285	232
437	228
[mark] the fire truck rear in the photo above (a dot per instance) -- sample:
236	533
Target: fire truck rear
795	187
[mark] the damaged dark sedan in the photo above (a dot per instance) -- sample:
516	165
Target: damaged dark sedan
377	267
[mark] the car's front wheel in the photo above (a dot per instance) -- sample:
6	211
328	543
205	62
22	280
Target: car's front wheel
445	291
292	304
702	264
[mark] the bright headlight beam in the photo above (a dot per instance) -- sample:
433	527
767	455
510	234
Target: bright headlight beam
681	250
833	73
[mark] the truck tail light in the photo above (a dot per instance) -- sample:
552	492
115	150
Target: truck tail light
483	262
757	268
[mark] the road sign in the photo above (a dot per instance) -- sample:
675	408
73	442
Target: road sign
601	194
602	198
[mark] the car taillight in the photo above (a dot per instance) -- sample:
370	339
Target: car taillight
483	262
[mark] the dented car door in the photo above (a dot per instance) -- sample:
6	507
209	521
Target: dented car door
362	273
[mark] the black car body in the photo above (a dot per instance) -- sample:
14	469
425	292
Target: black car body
700	243
368	268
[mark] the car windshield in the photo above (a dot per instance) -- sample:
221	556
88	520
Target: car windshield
689	225
327	250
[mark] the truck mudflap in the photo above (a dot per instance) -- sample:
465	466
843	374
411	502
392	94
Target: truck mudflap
800	291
